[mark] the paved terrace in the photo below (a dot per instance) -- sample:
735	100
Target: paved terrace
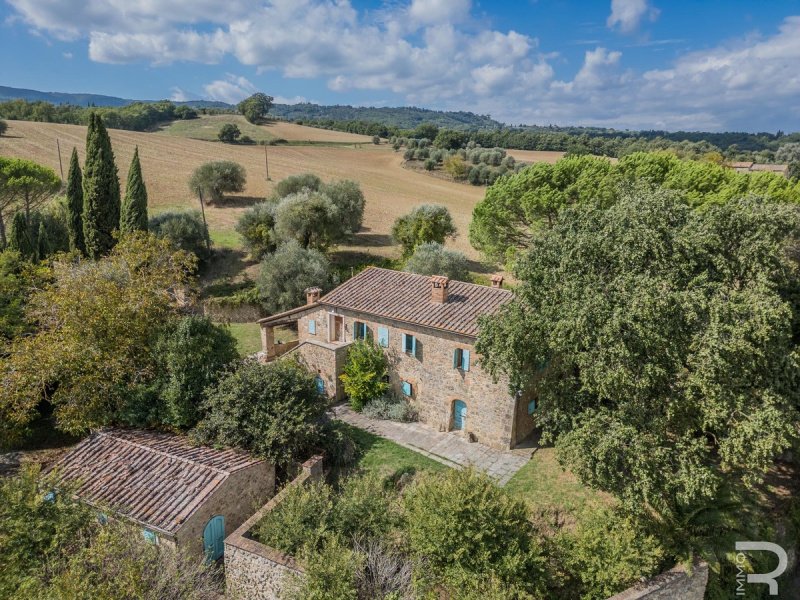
447	448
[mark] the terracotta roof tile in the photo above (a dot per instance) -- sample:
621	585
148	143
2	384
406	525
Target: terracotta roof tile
407	297
157	479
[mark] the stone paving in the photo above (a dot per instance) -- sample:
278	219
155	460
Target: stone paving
448	448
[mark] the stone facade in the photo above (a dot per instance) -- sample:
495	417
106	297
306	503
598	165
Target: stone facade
677	583
494	417
235	500
254	571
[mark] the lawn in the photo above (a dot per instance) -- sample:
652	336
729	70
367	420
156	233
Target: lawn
379	455
542	484
248	337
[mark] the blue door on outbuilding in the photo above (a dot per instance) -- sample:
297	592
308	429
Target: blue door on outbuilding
459	415
214	538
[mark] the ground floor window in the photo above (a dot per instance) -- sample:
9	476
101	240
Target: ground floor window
532	406
406	388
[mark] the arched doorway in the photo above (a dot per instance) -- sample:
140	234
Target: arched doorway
459	415
214	538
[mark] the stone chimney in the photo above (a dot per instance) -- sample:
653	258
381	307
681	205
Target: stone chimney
313	294
439	285
497	281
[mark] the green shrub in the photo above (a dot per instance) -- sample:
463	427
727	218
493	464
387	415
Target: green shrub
364	508
229	133
364	372
300	520
430	164
461	519
329	574
391	408
271	410
186	230
606	553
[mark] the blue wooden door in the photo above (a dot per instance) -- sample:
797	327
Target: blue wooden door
459	414
214	538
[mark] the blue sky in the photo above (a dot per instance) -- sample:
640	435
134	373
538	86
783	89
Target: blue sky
676	64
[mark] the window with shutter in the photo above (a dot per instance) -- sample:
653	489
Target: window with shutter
405	386
461	359
409	344
312	327
360	330
532	406
383	337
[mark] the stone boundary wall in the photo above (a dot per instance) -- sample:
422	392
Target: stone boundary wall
254	571
677	583
232	313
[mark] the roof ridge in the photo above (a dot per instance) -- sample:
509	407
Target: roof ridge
165	454
408	274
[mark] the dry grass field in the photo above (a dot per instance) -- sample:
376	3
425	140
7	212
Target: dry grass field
207	128
534	156
168	161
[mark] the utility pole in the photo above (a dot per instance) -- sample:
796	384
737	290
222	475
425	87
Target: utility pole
203	212
266	161
60	166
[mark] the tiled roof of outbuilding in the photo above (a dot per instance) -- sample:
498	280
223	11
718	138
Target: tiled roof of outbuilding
157	479
407	297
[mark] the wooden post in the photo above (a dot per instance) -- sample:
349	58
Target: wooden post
203	212
60	166
266	161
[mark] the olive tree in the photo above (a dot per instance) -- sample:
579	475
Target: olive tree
256	107
426	223
432	258
286	274
216	178
229	133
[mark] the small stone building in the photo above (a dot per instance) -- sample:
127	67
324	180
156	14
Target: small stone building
427	327
190	496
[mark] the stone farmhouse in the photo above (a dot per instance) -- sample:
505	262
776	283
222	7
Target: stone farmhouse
189	496
427	327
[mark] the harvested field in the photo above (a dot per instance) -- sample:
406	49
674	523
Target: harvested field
534	156
167	163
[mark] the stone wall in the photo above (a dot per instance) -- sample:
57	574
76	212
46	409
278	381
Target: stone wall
254	571
327	361
675	584
232	313
494	417
236	499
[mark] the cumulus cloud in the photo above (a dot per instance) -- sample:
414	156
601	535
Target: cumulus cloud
628	14
232	89
430	52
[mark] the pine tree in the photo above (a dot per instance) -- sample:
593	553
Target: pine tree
133	216
101	203
75	204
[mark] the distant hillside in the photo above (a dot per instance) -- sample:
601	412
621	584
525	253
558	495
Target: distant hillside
10	93
403	117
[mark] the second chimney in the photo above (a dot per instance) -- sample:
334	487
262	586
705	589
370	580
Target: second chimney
497	281
313	294
439	285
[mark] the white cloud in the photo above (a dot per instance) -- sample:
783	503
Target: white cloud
232	89
430	52
628	14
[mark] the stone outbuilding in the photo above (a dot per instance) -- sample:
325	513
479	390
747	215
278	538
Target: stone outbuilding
427	328
190	496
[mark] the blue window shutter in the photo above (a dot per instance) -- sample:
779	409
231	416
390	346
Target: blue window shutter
383	337
405	342
406	387
532	406
413	346
149	536
465	360
312	327
456	359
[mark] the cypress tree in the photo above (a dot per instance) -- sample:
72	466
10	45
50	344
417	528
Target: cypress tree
20	238
75	204
42	243
101	204
133	216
